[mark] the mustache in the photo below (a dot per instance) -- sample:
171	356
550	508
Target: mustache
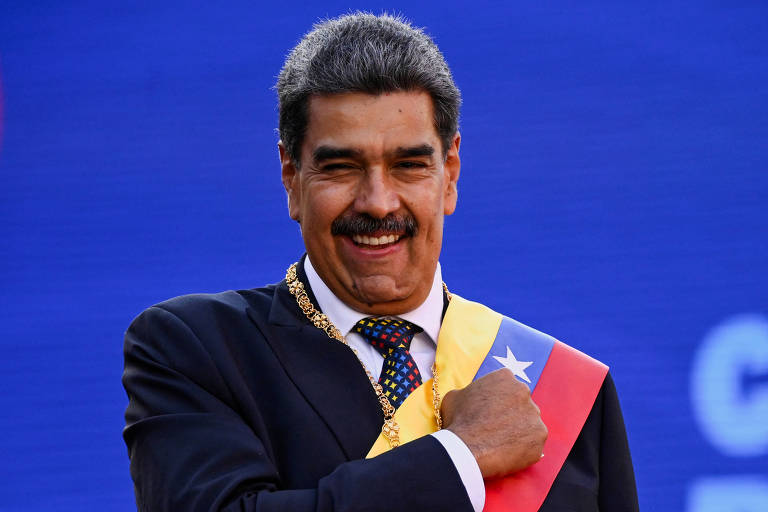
364	224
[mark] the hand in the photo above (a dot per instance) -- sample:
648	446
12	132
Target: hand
498	421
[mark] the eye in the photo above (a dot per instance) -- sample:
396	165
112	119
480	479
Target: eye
410	164
336	166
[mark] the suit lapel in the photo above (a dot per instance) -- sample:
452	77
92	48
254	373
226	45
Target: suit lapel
325	371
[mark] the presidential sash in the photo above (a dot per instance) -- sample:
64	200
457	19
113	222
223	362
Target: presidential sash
564	383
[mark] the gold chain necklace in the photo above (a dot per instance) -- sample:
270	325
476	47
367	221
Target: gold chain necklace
390	429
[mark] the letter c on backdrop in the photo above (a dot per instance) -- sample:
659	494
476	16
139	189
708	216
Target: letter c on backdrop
729	386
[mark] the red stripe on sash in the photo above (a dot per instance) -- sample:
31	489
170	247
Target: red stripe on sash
565	394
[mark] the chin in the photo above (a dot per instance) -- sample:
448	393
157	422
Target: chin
388	302
372	298
378	288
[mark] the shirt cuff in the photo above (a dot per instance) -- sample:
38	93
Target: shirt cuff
466	465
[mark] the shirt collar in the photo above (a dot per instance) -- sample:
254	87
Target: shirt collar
428	315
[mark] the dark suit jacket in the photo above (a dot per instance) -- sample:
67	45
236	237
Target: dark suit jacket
236	402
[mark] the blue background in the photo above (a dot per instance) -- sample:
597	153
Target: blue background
613	194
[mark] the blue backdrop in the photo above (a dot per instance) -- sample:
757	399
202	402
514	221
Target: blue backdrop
613	194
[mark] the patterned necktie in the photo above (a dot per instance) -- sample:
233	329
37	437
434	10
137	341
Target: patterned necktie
391	337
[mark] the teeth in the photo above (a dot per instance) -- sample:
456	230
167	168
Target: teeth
373	240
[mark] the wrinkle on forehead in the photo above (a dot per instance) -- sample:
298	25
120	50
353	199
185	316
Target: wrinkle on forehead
371	123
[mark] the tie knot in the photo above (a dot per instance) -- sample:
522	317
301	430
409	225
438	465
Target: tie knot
387	332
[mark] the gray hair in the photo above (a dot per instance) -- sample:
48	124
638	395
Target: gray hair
364	53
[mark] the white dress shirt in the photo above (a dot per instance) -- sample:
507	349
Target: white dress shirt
428	316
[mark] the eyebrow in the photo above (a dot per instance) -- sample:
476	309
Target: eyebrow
329	152
422	150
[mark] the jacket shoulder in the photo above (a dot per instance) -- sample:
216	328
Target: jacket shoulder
197	307
201	336
211	321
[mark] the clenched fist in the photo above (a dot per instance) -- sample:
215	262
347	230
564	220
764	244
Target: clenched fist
498	421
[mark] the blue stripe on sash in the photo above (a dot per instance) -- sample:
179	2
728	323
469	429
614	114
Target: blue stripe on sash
526	344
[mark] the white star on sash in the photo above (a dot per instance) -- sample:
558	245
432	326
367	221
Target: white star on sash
517	367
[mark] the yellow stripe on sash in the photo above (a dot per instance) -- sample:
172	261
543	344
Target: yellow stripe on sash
466	335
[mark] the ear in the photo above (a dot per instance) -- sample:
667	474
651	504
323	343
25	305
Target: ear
290	177
452	167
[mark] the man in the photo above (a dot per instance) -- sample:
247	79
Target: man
327	391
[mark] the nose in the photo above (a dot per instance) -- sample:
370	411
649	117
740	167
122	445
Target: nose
376	195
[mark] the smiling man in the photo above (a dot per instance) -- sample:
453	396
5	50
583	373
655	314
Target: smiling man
360	382
371	195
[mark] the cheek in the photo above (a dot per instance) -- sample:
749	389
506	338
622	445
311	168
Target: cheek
430	221
323	205
428	212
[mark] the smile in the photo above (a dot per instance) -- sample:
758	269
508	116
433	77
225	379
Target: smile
375	241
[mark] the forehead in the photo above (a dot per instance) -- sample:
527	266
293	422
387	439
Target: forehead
370	123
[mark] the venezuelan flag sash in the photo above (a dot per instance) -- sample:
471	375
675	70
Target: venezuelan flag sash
474	341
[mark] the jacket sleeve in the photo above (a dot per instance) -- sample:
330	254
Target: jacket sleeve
190	450
597	475
617	478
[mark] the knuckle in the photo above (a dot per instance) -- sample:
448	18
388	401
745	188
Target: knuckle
446	405
543	431
518	387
